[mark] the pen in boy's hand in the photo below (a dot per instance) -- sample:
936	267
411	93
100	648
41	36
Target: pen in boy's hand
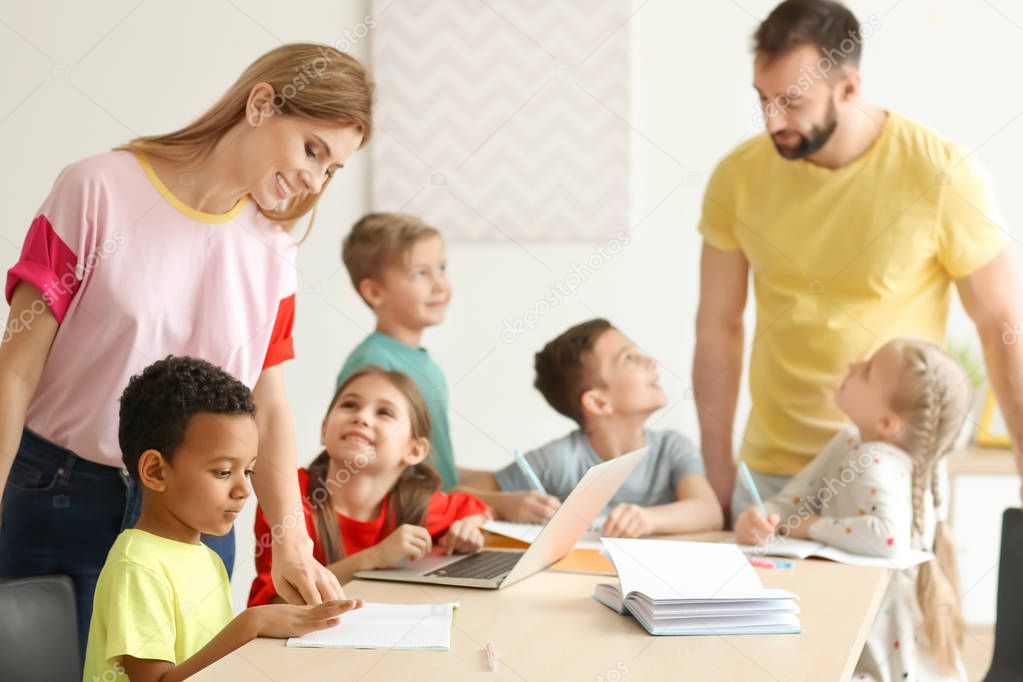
534	480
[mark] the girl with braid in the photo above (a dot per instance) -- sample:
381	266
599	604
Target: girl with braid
875	489
370	500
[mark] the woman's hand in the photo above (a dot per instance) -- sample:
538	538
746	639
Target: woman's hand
751	528
298	577
407	540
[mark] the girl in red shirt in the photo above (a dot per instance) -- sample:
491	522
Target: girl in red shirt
369	499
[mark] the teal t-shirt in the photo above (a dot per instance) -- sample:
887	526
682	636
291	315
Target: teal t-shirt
391	354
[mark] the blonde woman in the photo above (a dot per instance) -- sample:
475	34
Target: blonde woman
874	489
174	244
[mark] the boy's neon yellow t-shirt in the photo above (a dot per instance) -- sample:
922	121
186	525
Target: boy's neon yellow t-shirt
842	261
155	598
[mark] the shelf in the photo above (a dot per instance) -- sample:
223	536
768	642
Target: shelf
977	460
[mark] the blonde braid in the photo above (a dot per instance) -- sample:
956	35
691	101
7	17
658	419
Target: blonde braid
930	418
933	397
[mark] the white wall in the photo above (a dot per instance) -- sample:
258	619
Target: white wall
951	65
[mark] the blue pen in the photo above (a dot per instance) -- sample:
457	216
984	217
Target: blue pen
528	471
747	478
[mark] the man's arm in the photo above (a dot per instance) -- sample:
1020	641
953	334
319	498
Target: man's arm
717	362
991	299
297	576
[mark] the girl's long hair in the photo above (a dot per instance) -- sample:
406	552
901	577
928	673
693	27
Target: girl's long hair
407	500
310	81
934	396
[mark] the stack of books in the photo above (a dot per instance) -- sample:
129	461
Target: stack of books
694	588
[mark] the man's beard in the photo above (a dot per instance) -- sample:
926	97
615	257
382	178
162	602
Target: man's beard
809	144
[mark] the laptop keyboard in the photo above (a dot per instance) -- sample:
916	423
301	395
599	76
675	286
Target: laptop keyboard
484	565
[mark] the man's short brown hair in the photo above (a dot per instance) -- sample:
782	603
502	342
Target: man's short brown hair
826	24
380	240
562	371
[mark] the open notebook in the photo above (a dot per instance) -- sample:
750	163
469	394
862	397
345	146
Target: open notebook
801	549
387	626
694	588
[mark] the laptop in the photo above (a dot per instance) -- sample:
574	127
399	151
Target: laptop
495	569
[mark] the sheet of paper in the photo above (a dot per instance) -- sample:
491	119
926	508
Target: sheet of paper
387	626
527	532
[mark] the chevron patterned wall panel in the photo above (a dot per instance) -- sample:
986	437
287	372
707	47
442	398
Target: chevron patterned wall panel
503	119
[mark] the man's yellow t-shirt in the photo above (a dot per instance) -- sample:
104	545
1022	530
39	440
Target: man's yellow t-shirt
842	261
155	598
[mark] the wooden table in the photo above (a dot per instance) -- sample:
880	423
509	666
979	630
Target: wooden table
548	628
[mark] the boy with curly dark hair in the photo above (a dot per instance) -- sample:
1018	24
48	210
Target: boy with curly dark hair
162	609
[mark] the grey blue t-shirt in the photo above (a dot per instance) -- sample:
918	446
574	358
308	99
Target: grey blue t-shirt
562	463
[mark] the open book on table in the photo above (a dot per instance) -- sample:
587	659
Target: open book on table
694	588
793	548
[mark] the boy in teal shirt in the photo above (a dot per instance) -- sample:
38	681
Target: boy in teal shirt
397	265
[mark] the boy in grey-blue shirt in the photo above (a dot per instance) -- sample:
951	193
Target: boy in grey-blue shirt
594	375
562	463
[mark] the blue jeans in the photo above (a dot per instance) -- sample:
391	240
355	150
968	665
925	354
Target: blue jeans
61	515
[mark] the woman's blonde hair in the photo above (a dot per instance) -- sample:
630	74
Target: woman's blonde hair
933	395
310	81
407	500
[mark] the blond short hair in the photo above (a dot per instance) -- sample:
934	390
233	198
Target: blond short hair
380	240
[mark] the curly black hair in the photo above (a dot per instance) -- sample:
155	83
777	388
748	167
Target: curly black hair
157	404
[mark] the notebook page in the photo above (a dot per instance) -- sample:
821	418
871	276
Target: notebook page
900	561
801	549
785	547
672	569
387	626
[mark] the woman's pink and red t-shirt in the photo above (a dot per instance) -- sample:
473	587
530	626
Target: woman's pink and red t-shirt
133	275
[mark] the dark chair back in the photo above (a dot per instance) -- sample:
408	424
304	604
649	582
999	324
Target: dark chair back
38	630
1007	662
